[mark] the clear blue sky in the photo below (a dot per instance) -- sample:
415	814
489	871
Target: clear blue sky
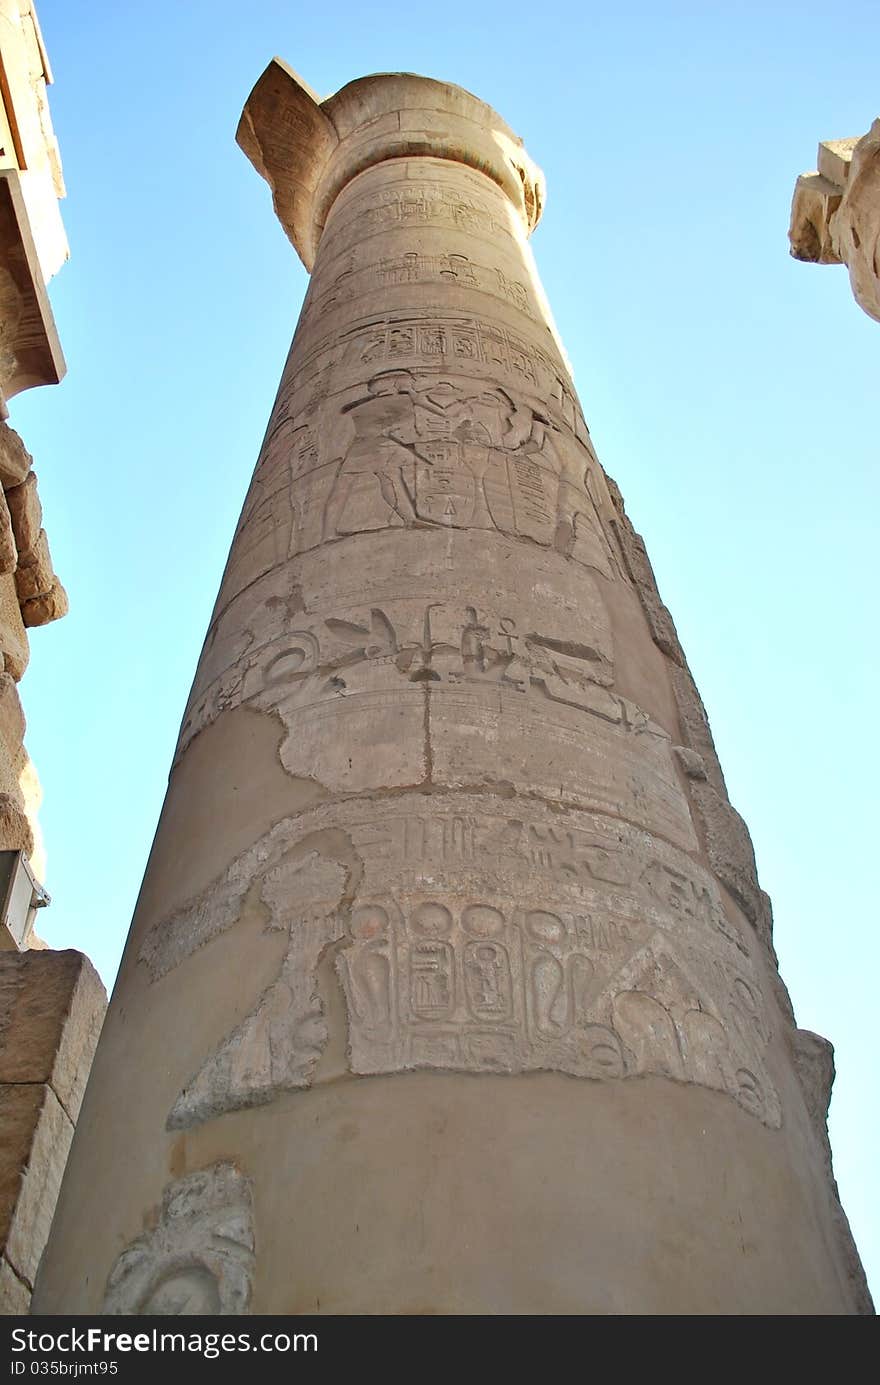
731	392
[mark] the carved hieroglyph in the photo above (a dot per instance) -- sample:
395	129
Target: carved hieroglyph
198	1259
508	941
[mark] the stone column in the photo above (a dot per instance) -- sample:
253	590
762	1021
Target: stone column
450	988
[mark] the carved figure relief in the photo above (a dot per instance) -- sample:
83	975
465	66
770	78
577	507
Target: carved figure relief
278	1045
422	340
423	450
464	939
200	1257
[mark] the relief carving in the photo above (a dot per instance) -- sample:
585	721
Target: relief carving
424	340
422	450
483	942
199	1259
436	643
527	993
278	1045
354	281
427	203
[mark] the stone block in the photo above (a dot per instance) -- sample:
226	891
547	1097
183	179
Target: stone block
41	610
834	159
35	575
814	1065
16	833
51	1009
855	230
729	847
814	203
13	637
12	727
26	512
15	460
12	722
15	1297
31	790
696	733
8	546
835	214
37	1136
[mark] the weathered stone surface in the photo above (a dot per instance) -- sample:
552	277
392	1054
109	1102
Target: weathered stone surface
835	214
814	204
729	847
13	636
35	575
15	1294
814	1063
8	549
447	903
37	1135
856	226
199	1259
16	833
835	156
26	512
497	984
641	573
695	731
27	75
288	138
12	756
15	460
12	722
52	605
277	1047
51	1009
31	791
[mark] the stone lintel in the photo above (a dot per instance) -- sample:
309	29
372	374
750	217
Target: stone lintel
31	353
308	150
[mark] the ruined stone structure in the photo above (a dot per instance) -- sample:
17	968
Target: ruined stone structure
51	1004
835	214
451	986
33	247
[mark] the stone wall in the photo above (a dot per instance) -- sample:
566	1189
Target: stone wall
51	1004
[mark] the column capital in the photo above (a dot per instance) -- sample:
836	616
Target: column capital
308	149
835	214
